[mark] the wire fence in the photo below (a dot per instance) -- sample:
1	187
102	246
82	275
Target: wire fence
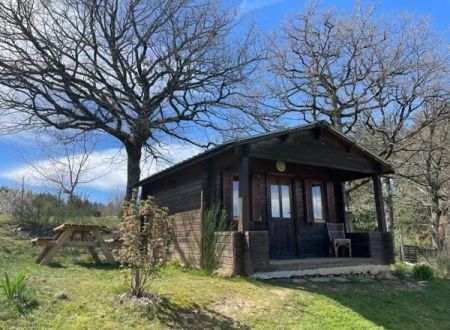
416	241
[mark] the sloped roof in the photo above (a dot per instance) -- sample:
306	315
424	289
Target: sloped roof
255	138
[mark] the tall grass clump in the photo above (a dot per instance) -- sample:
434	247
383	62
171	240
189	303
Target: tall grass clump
214	220
423	272
15	292
440	261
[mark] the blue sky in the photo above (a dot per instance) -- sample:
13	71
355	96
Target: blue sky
267	15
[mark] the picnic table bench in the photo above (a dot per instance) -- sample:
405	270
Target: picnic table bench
72	235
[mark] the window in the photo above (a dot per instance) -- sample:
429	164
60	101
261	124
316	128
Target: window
280	201
275	200
317	201
236	209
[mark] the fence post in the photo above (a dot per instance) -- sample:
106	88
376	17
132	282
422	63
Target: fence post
402	248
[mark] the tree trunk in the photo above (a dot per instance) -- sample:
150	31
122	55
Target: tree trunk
137	290
435	222
134	155
389	203
347	205
71	195
336	120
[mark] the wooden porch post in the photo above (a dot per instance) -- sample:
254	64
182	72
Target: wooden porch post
244	200
379	204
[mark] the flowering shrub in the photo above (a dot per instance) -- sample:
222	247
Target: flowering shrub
146	241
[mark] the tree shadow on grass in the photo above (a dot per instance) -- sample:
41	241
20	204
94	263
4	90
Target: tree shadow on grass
190	317
94	265
55	264
391	304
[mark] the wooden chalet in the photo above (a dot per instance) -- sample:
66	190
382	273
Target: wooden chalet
280	190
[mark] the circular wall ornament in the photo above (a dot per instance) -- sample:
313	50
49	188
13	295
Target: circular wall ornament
281	165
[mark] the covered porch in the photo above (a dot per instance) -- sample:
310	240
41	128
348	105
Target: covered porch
287	192
310	243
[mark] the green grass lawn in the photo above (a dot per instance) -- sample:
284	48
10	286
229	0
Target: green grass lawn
74	293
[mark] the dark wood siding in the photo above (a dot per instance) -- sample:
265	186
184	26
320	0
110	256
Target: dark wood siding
255	251
258	197
306	149
313	155
231	245
299	200
360	244
339	200
331	202
308	201
313	240
181	194
381	247
181	198
187	232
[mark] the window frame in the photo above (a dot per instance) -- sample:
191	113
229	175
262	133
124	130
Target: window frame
280	181
321	184
235	178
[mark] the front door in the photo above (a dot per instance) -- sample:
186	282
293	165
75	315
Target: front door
281	218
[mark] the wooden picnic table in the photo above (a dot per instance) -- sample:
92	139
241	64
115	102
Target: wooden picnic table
72	235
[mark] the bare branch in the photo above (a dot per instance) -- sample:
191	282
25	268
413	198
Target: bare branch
135	69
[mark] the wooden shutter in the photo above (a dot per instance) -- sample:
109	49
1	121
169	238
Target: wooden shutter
308	199
258	198
217	196
227	193
299	203
331	202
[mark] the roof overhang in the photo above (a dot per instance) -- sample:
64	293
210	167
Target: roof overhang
383	166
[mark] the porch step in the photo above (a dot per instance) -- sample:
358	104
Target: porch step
320	267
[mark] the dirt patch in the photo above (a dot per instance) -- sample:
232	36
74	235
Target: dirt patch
234	303
238	303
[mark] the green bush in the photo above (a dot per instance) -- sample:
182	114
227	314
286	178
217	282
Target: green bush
39	213
15	292
214	220
423	272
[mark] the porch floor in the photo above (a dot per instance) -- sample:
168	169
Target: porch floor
307	263
282	268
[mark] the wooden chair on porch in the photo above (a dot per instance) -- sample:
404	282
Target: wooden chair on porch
336	233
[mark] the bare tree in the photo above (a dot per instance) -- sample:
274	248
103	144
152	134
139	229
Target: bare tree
324	67
404	98
139	70
426	163
115	202
341	67
65	163
390	131
369	76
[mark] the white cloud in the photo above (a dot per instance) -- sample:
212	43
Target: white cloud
107	166
247	6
